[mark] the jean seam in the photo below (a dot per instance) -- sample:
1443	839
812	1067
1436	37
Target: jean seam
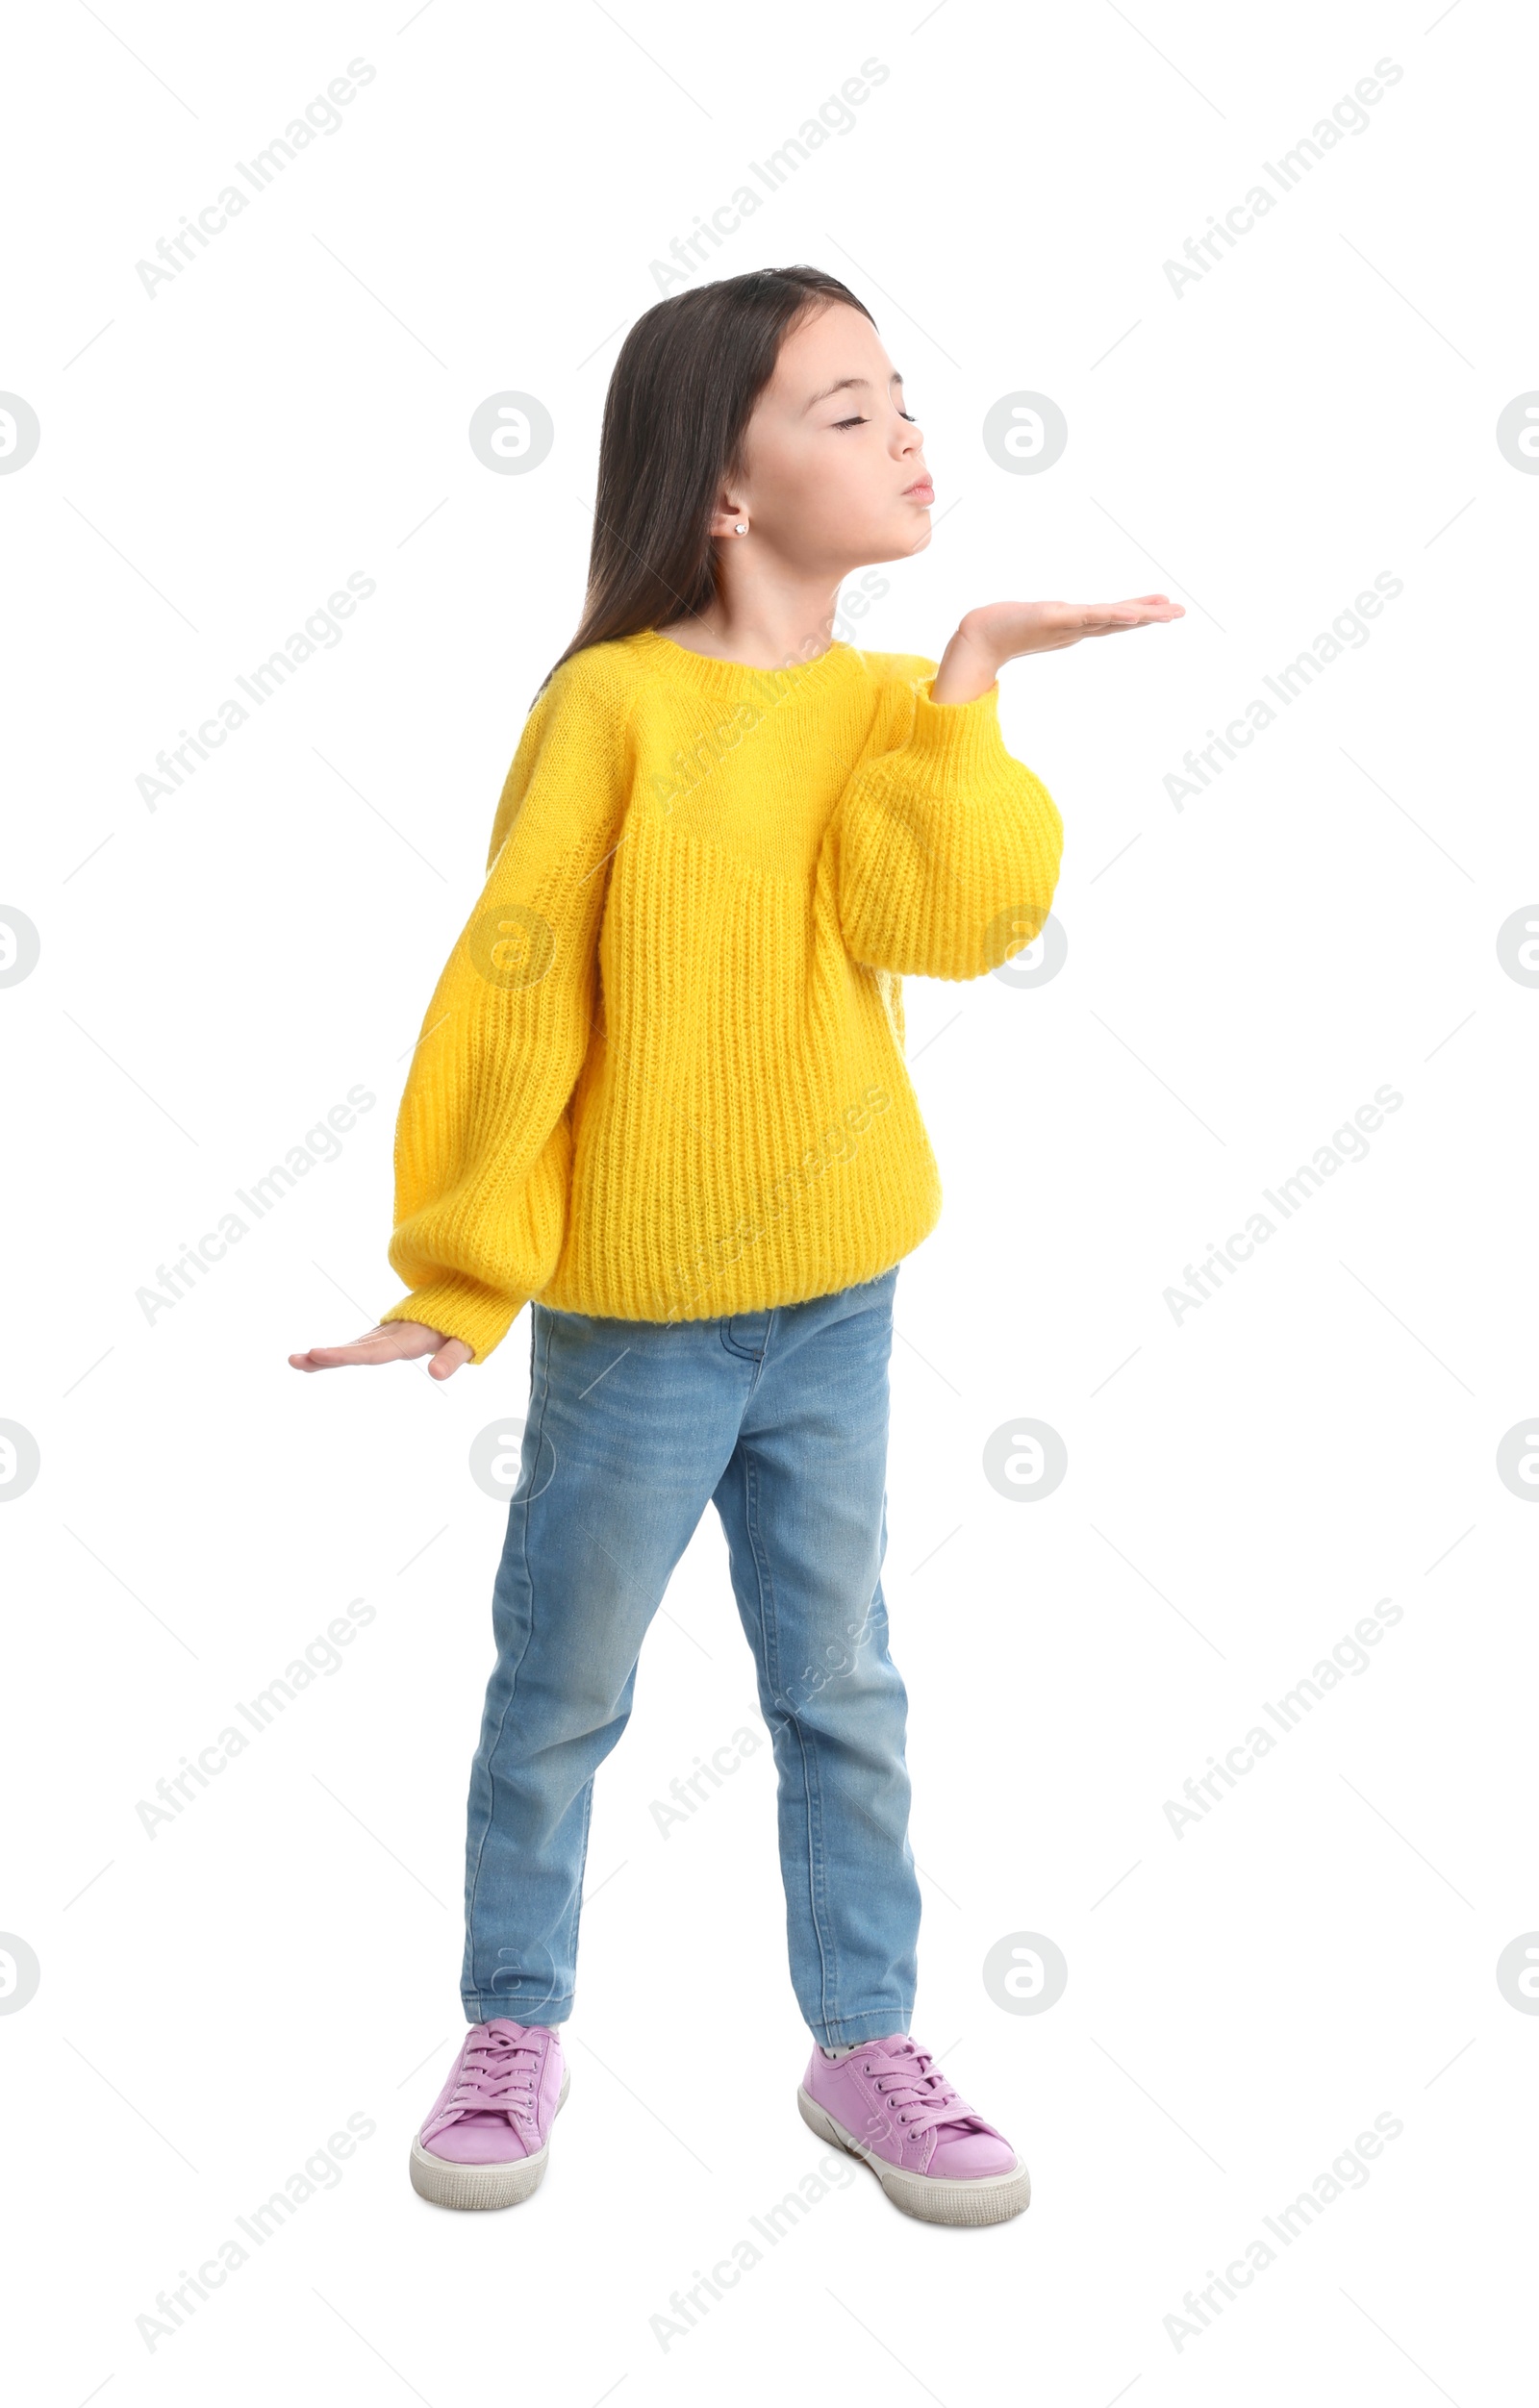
513	1677
811	1786
576	1919
837	2031
500	2006
742	1354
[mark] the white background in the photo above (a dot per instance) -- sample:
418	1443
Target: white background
1242	974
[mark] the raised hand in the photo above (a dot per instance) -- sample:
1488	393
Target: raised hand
1003	631
391	1341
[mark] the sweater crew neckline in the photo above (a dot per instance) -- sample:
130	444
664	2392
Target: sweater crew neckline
738	677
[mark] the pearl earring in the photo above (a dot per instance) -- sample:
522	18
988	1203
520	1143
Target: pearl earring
741	528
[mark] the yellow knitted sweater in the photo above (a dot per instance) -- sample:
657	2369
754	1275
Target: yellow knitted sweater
662	1073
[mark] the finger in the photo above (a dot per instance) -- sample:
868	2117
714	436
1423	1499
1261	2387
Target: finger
1111	617
450	1355
378	1347
1142	606
326	1358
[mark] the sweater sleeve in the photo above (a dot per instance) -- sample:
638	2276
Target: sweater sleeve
483	1144
948	846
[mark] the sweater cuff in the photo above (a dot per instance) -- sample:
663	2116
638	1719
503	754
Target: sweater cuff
959	742
460	1307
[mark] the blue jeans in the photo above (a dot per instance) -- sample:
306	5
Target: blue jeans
779	1418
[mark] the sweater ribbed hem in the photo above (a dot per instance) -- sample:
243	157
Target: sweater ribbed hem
460	1307
960	743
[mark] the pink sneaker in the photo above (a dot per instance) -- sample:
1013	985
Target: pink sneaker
487	2143
888	2103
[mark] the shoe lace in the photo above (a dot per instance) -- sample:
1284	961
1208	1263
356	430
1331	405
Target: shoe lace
913	2089
500	2072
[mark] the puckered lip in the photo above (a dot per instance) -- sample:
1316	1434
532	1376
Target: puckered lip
920	485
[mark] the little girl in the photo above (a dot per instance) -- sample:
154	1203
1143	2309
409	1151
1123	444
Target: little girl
660	1097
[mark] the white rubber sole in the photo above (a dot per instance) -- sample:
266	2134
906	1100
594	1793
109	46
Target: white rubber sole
448	2185
989	2199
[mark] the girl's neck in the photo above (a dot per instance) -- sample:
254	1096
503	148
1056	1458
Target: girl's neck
763	639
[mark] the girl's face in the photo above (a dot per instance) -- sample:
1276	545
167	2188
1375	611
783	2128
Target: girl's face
835	474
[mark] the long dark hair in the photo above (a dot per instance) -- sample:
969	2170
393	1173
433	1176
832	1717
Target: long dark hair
678	405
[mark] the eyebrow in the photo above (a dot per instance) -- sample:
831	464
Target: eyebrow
848	383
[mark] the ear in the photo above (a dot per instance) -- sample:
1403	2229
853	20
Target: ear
729	523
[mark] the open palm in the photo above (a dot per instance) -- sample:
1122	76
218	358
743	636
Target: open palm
1007	629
